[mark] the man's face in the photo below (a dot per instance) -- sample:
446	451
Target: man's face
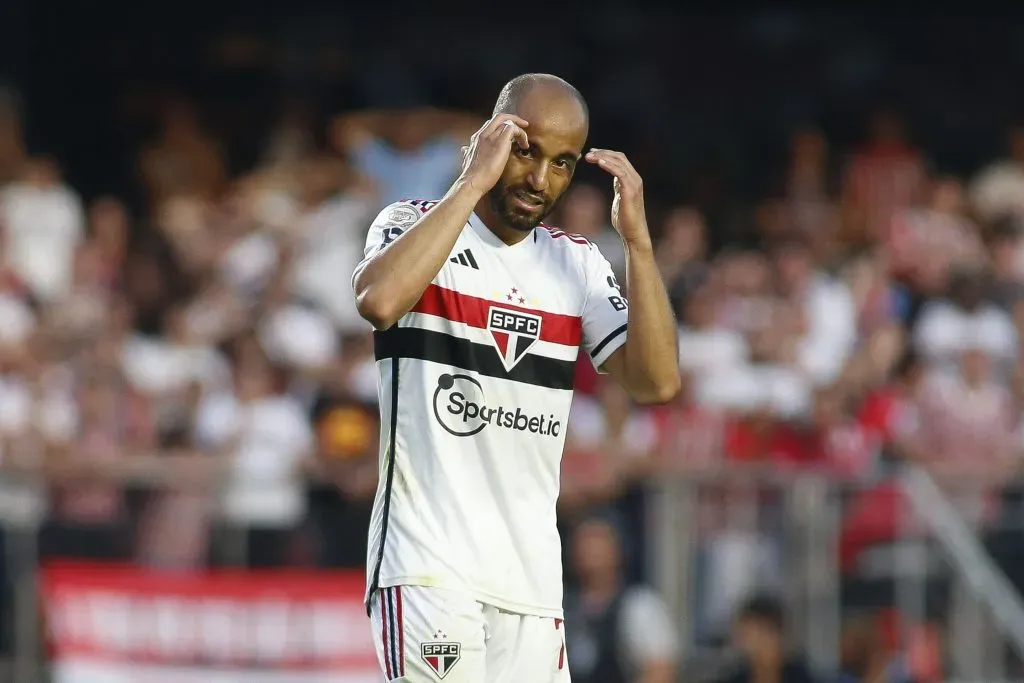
758	640
595	549
536	177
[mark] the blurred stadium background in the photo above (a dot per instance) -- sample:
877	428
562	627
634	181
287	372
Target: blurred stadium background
188	422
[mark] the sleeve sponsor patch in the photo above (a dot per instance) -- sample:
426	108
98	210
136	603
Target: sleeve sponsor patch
402	216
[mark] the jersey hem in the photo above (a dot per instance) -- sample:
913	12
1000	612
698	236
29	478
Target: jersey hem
478	595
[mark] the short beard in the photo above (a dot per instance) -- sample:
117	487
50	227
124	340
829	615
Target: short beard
499	196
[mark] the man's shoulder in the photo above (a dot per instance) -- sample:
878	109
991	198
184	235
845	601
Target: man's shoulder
570	246
560	237
423	205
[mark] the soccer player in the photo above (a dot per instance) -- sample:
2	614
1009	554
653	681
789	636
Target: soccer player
479	312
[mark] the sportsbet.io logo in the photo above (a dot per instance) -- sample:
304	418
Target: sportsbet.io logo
461	409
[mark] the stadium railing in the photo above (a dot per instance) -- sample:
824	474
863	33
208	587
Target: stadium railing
927	562
831	548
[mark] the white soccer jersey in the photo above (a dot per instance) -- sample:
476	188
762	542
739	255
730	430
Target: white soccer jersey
475	387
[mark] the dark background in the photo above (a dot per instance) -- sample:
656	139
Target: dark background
703	101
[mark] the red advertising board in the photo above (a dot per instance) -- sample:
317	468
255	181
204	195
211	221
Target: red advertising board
115	624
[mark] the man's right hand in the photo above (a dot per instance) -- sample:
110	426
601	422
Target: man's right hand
484	159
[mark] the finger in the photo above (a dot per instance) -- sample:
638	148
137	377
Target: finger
510	131
610	164
518	120
626	179
618	166
519	135
596	154
499	120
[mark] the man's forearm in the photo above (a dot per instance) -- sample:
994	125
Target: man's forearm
391	282
651	351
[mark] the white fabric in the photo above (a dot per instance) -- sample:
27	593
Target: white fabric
781	389
268	438
331	242
588	427
647	629
832	333
471	495
299	337
42	228
16	320
249	264
944	331
156	366
998	190
711	349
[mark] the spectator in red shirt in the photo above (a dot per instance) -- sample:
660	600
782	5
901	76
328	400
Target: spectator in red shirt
839	442
887	174
889	413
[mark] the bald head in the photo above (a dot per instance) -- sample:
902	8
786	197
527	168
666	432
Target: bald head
537	174
514	97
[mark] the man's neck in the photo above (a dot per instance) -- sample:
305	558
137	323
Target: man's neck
768	669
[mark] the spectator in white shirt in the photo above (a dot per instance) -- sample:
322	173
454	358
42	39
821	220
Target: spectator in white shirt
944	327
827	308
705	346
42	222
269	437
998	189
330	226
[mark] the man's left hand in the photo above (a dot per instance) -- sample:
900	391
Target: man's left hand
628	216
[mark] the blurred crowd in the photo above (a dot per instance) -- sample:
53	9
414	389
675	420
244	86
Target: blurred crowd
199	364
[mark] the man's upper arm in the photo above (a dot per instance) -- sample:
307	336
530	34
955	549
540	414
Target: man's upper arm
605	312
386	227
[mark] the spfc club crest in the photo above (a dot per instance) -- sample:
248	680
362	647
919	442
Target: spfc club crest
513	333
441	656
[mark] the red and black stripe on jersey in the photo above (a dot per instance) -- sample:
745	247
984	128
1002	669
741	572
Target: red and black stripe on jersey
423	205
454	351
572	237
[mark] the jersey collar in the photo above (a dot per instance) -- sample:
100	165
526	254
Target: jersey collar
491	240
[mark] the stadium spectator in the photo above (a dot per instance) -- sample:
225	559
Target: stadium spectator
759	634
614	632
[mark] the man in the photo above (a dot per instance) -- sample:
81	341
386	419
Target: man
616	633
759	636
479	313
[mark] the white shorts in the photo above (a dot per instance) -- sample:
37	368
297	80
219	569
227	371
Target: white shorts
424	635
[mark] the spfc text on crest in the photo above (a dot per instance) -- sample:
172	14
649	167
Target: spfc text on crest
441	656
513	333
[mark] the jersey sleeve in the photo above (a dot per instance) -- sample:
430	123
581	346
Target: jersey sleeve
605	311
386	227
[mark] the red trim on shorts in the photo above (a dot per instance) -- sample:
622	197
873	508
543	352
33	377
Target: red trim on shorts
401	632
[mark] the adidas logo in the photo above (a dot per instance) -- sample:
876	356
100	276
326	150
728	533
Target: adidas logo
465	258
